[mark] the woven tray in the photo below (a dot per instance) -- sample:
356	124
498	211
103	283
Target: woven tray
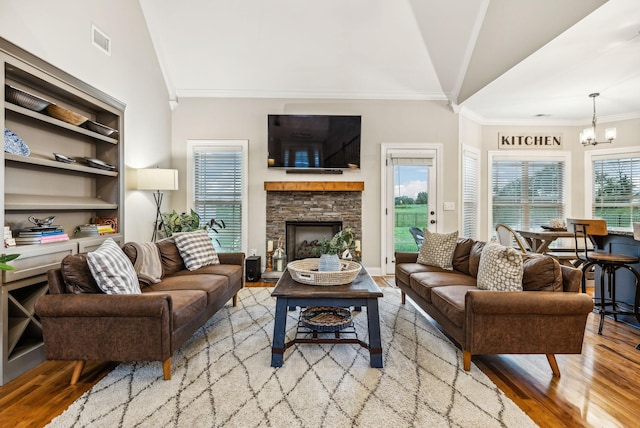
306	272
326	318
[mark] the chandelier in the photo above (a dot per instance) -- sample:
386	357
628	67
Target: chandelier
588	135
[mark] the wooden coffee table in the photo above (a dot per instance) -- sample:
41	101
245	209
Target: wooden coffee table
362	292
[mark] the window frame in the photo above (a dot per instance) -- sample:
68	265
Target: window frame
243	145
590	156
472	153
526	155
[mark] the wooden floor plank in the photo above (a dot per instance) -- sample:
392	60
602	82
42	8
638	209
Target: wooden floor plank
598	388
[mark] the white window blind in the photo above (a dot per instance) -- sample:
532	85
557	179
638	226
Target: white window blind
527	194
217	192
470	195
616	190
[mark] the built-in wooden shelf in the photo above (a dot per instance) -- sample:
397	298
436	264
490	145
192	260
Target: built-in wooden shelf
314	186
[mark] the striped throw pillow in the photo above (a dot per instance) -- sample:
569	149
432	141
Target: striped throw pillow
196	249
112	269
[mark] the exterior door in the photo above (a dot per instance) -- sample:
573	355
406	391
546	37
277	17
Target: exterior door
411	201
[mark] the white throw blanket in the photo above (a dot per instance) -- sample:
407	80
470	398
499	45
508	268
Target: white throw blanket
148	265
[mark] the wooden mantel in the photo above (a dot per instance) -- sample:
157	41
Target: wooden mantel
314	186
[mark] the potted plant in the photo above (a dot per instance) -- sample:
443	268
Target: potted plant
341	244
7	258
173	223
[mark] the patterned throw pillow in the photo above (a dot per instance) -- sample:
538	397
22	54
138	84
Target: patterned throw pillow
196	249
112	269
437	249
500	268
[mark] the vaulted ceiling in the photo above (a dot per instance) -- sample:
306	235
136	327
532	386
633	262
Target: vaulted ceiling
502	61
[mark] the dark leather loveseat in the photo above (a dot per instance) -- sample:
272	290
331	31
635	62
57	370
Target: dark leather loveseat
81	323
548	317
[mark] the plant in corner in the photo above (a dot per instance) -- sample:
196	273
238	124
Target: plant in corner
7	258
173	223
330	250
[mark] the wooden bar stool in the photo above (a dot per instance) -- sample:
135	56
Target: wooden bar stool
609	263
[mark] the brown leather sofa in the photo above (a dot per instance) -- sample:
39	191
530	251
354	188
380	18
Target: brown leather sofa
548	317
81	323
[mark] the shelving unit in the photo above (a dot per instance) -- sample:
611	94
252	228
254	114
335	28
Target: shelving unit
38	185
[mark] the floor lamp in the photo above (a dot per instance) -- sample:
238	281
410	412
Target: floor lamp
158	179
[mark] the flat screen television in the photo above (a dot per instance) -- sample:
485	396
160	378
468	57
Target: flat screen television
313	142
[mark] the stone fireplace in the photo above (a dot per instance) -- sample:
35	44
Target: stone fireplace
299	211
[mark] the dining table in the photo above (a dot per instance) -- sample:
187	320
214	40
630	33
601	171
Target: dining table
539	239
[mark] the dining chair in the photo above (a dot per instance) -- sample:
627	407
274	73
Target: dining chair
418	235
609	263
506	236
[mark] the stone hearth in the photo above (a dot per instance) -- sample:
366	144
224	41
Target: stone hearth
315	205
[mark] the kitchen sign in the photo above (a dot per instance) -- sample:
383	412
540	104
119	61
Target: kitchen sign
529	141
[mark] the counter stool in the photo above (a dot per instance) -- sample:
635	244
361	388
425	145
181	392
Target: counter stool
609	263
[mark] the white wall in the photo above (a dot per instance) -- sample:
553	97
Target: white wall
382	122
59	32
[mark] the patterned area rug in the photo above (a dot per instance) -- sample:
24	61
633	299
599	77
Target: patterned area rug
222	378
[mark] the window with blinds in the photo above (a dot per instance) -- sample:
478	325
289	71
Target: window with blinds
217	192
527	193
616	189
470	195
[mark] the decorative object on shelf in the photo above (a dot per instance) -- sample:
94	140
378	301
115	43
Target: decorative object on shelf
40	222
25	99
326	318
588	135
306	271
329	250
62	158
65	115
97	163
158	179
14	144
99	128
279	257
7	258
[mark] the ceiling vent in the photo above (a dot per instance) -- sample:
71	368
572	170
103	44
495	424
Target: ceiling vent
100	40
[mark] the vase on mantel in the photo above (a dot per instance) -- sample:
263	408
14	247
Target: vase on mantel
329	263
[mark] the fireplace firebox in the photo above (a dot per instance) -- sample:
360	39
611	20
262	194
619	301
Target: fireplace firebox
302	237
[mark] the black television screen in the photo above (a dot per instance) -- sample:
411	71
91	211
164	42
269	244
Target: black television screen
313	141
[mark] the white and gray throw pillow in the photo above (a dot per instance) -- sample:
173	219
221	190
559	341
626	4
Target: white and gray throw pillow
437	249
112	269
196	249
500	268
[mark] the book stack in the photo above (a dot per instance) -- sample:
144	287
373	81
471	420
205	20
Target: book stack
93	229
9	240
86	230
38	235
105	229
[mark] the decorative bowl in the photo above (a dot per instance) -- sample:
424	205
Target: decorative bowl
25	99
99	128
62	158
14	144
97	163
65	115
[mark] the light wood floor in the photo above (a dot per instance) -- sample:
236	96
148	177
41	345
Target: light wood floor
599	388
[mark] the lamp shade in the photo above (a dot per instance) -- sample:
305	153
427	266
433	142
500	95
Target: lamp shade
157	179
